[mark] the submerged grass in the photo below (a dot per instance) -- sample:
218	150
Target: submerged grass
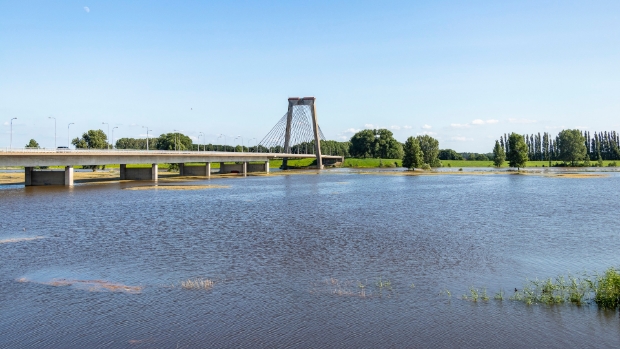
600	289
197	284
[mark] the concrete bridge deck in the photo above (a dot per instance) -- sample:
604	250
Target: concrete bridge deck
31	158
65	157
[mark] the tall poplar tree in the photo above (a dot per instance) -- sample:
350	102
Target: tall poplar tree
499	156
517	155
413	156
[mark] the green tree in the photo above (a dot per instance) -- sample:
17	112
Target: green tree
375	144
517	153
32	144
174	141
449	154
386	147
363	144
572	146
413	156
430	149
135	143
499	156
93	139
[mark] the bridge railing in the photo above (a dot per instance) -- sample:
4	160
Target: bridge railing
134	151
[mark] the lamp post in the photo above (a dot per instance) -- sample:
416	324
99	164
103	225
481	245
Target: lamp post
175	139
147	137
105	123
225	145
11	142
239	136
203	139
255	144
113	136
68	138
51	117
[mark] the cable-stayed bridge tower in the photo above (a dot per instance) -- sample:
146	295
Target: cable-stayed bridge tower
297	128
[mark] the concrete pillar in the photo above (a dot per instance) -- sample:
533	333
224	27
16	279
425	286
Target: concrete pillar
123	171
181	169
154	172
69	176
267	166
245	169
28	176
221	167
208	174
317	140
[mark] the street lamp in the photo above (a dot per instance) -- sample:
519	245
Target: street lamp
68	142
225	145
105	123
11	143
203	139
147	137
175	139
51	117
255	144
113	136
239	136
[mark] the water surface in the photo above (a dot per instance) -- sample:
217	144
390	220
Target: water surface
288	255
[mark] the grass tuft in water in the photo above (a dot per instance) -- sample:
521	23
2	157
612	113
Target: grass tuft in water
197	284
607	289
604	290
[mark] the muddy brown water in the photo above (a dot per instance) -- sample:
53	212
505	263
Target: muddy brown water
298	261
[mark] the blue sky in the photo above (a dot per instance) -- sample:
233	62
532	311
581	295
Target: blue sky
463	71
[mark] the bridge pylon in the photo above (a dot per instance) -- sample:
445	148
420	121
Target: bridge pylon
297	129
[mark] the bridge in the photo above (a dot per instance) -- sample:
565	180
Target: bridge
298	126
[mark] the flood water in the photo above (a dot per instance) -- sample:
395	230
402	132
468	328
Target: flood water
288	254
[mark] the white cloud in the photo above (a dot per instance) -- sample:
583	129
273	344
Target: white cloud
521	121
369	125
395	127
407	127
6	123
461	139
478	122
492	121
459	125
86	9
427	127
343	138
427	133
352	130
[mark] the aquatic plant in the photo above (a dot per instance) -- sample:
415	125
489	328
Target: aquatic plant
499	295
197	284
607	289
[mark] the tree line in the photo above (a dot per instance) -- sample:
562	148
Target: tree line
604	145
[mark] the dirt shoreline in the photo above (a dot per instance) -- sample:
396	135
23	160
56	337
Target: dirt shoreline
17	178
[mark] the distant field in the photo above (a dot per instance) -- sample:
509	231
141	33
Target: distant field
358	163
466	163
351	162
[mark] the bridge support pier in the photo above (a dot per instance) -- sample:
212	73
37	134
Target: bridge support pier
139	174
244	168
199	171
39	178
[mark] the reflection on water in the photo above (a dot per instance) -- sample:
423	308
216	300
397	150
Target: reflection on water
338	260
